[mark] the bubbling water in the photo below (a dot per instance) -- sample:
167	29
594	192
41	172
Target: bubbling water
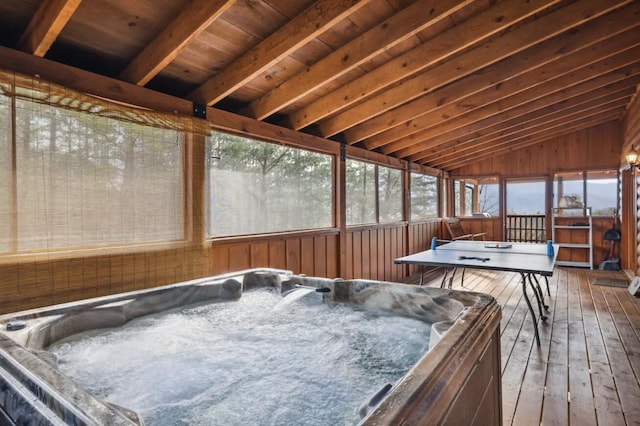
247	362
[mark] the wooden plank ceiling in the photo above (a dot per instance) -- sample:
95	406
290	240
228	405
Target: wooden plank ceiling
443	83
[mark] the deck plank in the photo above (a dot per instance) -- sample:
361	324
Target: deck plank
587	369
555	408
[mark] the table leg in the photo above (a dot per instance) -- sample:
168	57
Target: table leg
453	274
540	292
540	302
422	268
533	314
547	281
444	278
462	282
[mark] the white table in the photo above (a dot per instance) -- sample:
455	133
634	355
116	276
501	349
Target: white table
527	259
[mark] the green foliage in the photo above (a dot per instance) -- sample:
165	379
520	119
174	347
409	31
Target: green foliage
258	187
424	196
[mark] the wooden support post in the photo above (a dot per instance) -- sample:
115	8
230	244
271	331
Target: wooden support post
340	208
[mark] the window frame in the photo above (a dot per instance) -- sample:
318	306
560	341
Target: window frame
457	195
440	190
585	192
377	222
186	141
332	227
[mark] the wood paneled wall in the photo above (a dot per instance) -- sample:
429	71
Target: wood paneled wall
420	235
370	253
597	147
45	281
493	227
630	206
314	255
594	148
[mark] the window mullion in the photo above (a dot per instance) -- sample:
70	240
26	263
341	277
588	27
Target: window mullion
13	237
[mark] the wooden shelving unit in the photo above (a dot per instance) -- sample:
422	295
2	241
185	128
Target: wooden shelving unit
580	222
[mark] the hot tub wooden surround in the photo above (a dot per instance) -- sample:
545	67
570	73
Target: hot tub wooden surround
586	370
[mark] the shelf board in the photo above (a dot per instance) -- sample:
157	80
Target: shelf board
570	263
572	227
574	245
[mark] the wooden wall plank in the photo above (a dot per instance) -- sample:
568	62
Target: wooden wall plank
239	257
277	254
596	147
307	256
293	256
332	256
357	254
320	255
380	253
349	255
259	254
373	254
365	251
219	259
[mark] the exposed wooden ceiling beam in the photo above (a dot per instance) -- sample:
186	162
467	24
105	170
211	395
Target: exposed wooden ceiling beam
555	79
46	24
194	18
614	80
544	60
427	54
583	92
421	86
548	81
93	84
402	25
561	129
530	125
308	25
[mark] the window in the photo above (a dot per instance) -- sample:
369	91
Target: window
363	190
525	198
597	189
424	196
602	192
258	187
568	192
445	197
7	216
476	197
80	172
390	194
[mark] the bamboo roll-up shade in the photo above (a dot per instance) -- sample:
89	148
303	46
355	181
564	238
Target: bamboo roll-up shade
39	91
84	172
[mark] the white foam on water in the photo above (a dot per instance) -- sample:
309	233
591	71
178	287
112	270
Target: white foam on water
244	362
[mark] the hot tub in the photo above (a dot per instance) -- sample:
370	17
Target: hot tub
454	377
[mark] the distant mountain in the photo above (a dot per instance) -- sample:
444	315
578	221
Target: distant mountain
528	198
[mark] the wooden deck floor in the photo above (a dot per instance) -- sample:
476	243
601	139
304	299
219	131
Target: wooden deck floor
587	368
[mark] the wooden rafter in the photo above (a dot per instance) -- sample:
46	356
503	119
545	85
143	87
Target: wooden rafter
422	56
580	93
315	20
522	37
556	80
396	29
46	24
434	82
522	66
194	18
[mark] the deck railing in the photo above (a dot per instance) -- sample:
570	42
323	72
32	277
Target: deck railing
526	228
